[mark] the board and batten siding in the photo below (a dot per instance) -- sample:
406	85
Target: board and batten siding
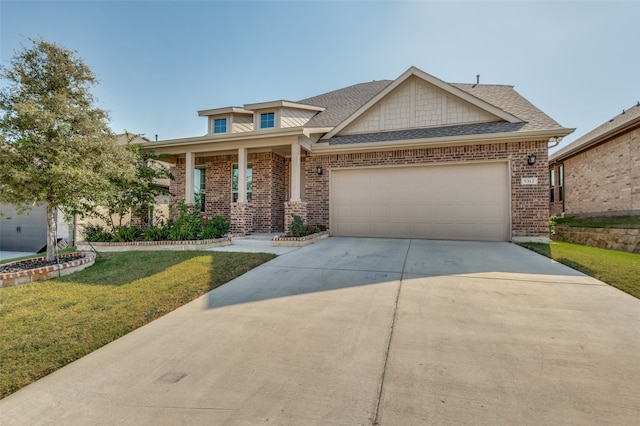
413	104
291	117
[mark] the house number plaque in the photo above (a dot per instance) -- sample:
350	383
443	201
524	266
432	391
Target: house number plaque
529	181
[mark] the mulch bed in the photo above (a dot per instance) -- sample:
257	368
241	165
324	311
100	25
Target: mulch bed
25	265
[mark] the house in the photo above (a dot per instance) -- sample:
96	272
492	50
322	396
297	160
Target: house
599	173
27	231
411	157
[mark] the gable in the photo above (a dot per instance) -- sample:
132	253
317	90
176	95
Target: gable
417	103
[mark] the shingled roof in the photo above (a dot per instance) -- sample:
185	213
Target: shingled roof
617	124
341	104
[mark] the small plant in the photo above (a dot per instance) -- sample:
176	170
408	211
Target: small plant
126	234
553	221
299	229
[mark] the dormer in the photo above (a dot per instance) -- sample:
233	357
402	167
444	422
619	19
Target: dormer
228	120
281	114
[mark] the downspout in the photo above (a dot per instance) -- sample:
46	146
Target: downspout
555	140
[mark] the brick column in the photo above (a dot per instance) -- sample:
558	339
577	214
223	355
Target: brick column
299	208
241	218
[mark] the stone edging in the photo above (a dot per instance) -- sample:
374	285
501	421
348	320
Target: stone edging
155	245
622	239
284	241
44	273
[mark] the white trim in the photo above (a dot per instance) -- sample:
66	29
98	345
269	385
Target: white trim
226	110
282	104
324	147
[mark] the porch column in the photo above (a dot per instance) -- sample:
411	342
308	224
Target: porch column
242	175
190	165
295	172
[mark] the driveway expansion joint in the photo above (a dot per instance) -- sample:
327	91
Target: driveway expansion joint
376	414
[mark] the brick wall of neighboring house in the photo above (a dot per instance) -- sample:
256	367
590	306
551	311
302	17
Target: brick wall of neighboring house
556	194
529	203
605	179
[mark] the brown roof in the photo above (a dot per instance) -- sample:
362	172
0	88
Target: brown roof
342	103
610	128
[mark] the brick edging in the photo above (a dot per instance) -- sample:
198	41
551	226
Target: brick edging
284	241
156	245
46	272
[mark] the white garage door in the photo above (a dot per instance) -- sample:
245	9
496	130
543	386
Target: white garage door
457	202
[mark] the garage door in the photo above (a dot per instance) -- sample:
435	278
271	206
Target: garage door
457	202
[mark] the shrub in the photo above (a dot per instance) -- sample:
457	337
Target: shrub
127	233
157	233
214	228
91	230
299	229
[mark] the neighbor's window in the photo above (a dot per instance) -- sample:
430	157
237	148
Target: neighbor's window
199	186
552	184
220	125
234	183
561	182
267	120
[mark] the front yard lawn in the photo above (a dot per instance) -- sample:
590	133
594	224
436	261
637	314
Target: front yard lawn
46	325
617	268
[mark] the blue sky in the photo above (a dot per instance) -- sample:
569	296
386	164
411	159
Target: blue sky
159	62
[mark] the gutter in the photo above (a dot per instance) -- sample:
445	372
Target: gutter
324	146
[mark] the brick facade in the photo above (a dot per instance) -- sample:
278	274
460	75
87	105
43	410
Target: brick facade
269	186
602	180
529	203
299	208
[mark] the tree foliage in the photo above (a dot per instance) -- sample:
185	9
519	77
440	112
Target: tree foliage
131	194
55	145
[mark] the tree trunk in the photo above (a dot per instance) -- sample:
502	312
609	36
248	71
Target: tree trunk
51	232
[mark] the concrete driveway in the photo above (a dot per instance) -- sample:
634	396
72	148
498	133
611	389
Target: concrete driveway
368	331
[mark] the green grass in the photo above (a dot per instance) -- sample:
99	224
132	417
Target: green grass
48	324
617	268
600	222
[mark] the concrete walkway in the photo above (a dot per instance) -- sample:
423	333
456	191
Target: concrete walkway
368	331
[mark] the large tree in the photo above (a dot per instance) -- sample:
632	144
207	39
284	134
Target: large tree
55	143
131	196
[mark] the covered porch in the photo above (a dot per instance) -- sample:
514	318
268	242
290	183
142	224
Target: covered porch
257	183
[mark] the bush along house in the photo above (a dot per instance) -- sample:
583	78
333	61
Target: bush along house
413	157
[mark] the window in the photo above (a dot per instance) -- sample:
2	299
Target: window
561	182
267	120
552	185
220	125
234	182
199	186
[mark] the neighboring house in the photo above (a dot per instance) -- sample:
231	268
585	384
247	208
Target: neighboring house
28	231
599	173
158	212
411	157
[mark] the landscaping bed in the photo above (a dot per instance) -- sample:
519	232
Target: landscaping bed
39	268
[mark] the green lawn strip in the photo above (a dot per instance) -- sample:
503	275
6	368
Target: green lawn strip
617	268
600	222
46	325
